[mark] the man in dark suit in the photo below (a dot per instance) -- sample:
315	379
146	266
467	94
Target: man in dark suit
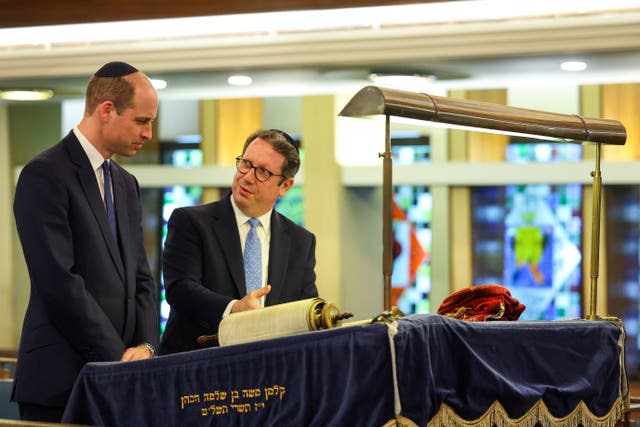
205	248
92	294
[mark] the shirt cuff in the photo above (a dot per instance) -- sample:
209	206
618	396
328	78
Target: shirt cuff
227	311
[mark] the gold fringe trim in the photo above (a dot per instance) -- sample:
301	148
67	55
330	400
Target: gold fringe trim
537	415
400	421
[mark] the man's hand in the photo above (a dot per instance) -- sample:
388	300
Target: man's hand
136	353
251	300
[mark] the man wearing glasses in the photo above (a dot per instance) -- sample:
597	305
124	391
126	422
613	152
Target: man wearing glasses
238	253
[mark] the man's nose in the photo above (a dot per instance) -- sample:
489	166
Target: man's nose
252	174
147	131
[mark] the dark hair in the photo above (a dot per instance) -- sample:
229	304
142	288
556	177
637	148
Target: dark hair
282	143
290	140
118	90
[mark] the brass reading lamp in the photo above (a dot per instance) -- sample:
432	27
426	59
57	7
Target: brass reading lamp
482	116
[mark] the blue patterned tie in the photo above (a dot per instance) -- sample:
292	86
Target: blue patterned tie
253	258
108	199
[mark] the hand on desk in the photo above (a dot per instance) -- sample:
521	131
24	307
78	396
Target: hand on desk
136	353
251	300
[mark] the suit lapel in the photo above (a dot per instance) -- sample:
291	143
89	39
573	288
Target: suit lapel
225	229
278	256
87	178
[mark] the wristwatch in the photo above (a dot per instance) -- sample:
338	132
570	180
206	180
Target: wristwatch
152	349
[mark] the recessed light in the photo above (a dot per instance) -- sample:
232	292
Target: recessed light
239	80
26	94
410	81
573	66
159	84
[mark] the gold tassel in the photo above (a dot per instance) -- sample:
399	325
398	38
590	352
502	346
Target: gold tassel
538	414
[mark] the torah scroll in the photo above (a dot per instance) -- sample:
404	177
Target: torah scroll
279	321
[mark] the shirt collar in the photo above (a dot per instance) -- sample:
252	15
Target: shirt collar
241	218
95	158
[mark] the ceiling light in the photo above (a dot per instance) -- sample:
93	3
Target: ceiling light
26	94
159	84
239	80
573	66
414	82
287	22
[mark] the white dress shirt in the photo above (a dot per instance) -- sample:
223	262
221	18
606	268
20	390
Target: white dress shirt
95	158
264	233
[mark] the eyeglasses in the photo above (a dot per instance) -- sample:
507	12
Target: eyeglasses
261	174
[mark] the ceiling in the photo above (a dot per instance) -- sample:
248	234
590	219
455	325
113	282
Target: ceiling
334	53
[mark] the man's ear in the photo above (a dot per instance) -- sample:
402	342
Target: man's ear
286	185
105	109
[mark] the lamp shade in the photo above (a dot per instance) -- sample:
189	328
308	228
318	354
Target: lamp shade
373	100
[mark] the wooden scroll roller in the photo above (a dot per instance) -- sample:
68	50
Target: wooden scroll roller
276	321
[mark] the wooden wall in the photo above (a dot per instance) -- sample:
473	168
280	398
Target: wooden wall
46	12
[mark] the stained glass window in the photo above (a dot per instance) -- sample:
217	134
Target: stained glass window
529	237
185	156
623	257
412	210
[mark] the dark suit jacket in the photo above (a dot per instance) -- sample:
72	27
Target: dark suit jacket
203	269
90	299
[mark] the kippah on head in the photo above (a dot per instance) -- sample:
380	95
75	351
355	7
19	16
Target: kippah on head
116	69
289	139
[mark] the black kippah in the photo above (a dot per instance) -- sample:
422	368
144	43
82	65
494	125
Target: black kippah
290	140
115	69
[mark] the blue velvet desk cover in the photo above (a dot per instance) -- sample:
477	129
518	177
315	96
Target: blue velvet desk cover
448	372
